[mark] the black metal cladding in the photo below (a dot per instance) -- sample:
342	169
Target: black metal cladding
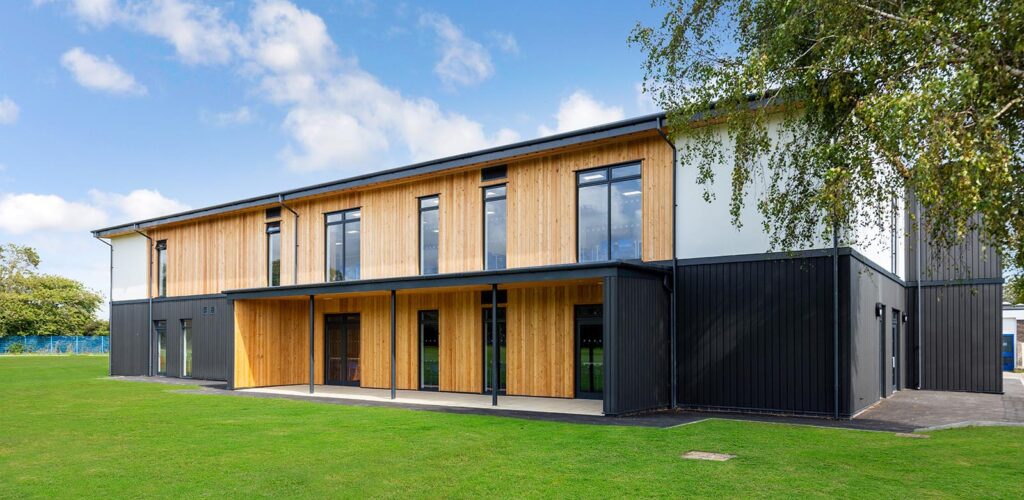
211	336
960	348
757	335
636	345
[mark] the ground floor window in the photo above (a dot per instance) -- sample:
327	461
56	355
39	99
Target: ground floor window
429	350
186	347
589	351
489	350
160	327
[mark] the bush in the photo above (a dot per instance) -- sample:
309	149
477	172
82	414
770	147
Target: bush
18	348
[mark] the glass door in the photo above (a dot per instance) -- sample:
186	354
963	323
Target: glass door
489	350
589	351
341	342
429	350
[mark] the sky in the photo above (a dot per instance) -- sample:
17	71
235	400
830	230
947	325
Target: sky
115	111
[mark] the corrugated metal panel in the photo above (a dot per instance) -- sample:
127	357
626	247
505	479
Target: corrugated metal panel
960	342
757	335
129	340
969	260
637	345
211	332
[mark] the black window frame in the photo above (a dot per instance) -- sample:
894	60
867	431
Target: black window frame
420	316
608	180
486	200
161	268
273	228
344	230
419	229
185	346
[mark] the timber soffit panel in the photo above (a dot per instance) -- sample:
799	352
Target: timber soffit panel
621	128
539	274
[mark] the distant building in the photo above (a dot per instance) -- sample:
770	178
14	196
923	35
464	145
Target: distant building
1013	336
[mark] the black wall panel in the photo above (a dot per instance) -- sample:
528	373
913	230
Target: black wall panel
757	335
212	329
636	345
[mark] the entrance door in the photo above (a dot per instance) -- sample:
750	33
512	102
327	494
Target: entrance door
489	350
1008	352
341	338
429	346
895	350
589	352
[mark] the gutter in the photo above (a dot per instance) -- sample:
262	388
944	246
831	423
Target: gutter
149	293
673	332
295	236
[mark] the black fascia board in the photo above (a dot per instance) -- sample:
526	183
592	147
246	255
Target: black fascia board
539	274
498	153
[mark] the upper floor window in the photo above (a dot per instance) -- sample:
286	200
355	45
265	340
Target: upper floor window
609	213
494	227
274	253
430	228
161	268
343	230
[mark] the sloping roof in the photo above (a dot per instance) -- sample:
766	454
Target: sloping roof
496	154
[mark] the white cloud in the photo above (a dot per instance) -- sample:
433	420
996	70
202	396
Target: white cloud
463	60
100	74
137	205
26	212
8	111
95	12
506	42
337	115
239	116
580	110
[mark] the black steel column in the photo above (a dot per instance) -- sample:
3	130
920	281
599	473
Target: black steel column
392	344
311	327
835	319
494	344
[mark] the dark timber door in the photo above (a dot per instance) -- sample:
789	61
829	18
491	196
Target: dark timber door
589	352
341	336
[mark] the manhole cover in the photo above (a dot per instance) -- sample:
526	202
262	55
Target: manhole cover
912	435
707	455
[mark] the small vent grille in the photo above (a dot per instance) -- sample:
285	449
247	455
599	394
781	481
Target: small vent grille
494	173
209	310
274	213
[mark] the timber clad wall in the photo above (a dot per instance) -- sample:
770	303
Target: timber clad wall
229	252
272	346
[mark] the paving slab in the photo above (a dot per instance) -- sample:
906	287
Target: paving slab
931	410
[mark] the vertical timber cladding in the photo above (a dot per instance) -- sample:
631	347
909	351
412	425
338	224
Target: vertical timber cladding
211	335
757	335
225	252
271	342
637	346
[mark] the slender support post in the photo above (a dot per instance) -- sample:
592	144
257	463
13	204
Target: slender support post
835	317
920	318
312	325
494	345
392	344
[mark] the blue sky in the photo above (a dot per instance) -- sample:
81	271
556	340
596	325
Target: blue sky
112	111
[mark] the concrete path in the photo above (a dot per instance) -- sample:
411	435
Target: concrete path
932	410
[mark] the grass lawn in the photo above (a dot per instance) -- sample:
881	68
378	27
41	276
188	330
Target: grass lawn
66	431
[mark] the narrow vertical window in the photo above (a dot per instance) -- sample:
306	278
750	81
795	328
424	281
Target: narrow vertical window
429	350
430	228
274	254
160	326
186	348
495	227
609	214
343	238
161	268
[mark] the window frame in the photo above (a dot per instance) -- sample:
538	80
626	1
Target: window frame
186	343
483	213
161	268
271	229
344	246
419	230
607	181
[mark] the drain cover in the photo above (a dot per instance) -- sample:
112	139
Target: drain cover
707	455
912	435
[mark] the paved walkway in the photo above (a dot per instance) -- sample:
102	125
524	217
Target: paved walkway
932	410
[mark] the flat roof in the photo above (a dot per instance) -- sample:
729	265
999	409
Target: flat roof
620	128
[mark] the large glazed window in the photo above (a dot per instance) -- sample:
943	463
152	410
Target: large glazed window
274	253
495	227
343	231
161	268
430	228
609	213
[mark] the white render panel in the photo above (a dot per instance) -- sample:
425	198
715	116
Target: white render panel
129	273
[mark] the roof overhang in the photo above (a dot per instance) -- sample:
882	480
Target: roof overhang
493	155
539	275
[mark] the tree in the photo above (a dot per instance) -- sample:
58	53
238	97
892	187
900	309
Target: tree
42	304
1013	290
873	99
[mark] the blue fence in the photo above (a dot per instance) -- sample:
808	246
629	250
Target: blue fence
54	344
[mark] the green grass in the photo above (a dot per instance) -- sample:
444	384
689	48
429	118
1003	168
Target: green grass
66	431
